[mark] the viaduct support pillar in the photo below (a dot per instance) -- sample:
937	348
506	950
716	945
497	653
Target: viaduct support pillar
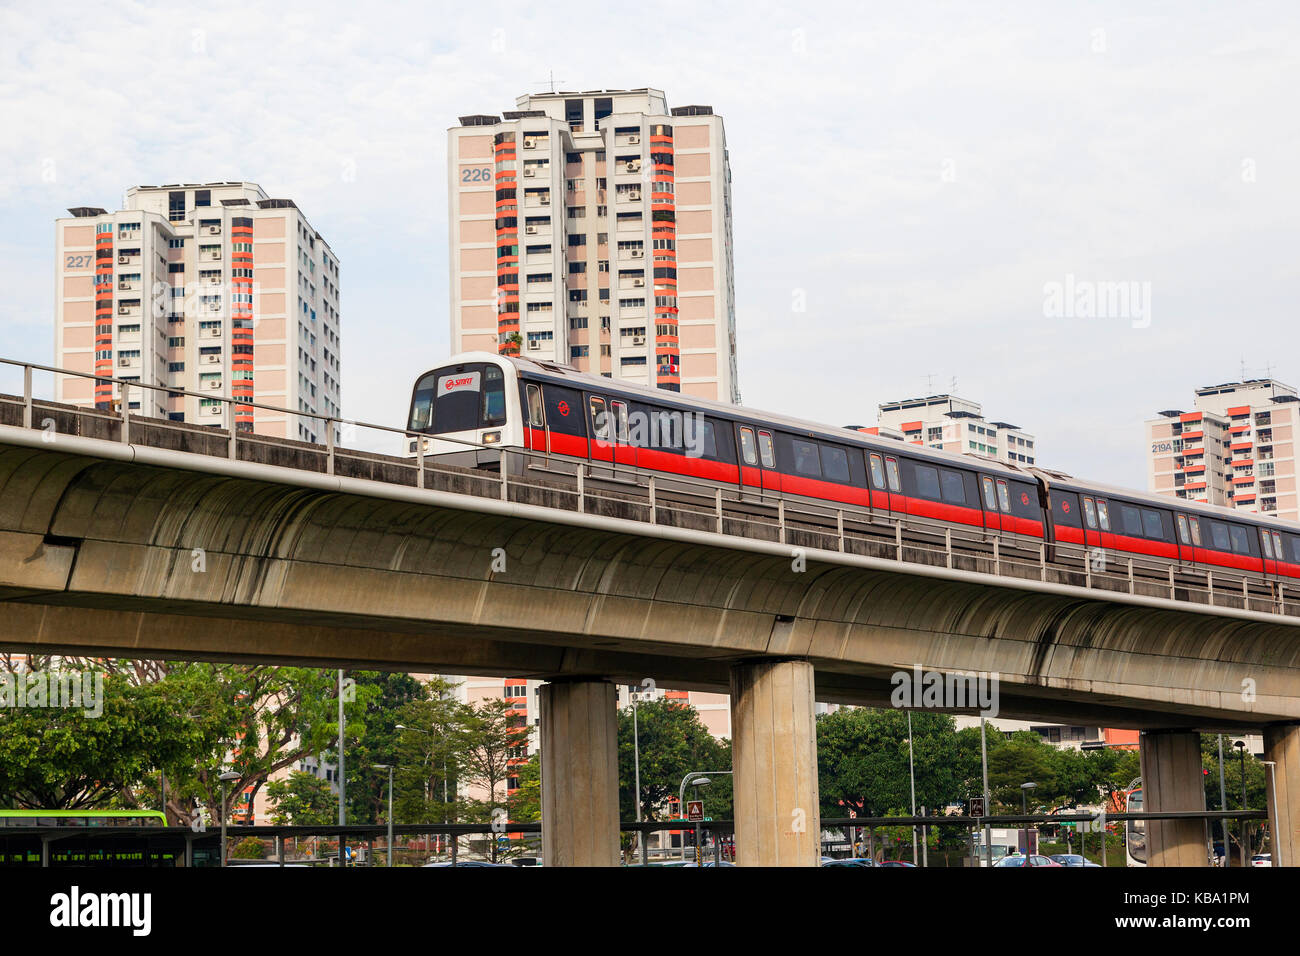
774	752
1172	780
579	773
1282	746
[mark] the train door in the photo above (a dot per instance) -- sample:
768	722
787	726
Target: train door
989	498
751	475
624	453
535	428
600	427
767	458
566	429
1105	529
880	496
1270	557
1186	551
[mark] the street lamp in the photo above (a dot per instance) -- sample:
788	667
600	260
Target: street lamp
635	699
389	768
429	733
1245	826
1024	797
696	778
911	772
225	778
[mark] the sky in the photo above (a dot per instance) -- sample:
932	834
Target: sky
923	193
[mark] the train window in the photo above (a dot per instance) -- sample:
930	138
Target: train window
1103	515
747	447
494	396
620	420
1183	534
835	464
1130	520
1152	524
765	450
1090	512
1277	546
1196	530
805	458
990	496
708	440
1219	535
1295	549
536	417
927	482
954	487
1004	496
1268	543
599	420
1240	539
891	469
877	471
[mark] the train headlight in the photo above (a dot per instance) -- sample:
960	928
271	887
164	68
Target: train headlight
491	438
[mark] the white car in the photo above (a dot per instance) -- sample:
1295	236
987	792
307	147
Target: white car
1262	859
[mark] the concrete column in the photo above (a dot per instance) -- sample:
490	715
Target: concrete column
579	773
1172	780
774	753
1282	746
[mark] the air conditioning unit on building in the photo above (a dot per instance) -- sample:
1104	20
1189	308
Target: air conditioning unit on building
214	230
530	172
535	345
639	283
530	230
634	166
214	307
124	285
122	259
529	143
123	310
634	140
638	340
638	253
546	200
634	195
210	359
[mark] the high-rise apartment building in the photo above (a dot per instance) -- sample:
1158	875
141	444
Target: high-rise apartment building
1235	449
953	424
211	288
594	229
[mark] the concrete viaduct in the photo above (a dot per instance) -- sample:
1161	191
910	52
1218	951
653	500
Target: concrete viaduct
345	561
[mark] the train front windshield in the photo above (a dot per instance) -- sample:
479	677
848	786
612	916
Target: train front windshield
459	399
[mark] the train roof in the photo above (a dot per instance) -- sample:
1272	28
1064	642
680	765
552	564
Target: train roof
742	412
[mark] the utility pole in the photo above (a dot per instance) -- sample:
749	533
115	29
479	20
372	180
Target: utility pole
1223	805
343	812
988	806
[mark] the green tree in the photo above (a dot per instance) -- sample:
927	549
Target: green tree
379	742
302	799
862	762
525	803
249	848
493	735
673	742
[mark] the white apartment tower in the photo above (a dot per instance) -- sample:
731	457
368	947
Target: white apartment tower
594	229
214	288
1235	449
954	424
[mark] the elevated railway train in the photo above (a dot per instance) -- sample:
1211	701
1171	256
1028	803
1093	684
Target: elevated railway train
478	404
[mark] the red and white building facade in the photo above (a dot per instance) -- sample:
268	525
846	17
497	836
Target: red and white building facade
1235	449
214	288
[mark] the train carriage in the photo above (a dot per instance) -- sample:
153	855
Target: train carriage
479	407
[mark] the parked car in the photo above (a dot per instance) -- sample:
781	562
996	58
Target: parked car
499	866
847	861
1033	859
896	863
1262	859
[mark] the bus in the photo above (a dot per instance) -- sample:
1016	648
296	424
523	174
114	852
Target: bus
1135	835
87	838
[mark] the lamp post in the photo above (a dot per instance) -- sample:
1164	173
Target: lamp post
694	778
635	698
911	773
1223	805
225	778
389	768
988	808
1245	826
429	733
343	803
1024	811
